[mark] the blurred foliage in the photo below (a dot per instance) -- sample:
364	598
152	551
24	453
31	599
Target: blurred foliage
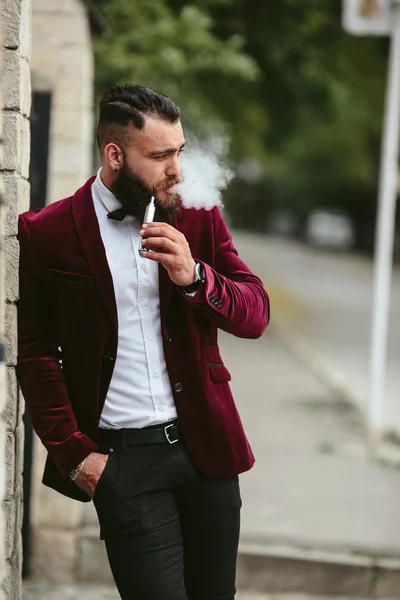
173	52
300	99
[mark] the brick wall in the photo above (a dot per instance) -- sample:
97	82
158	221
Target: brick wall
16	98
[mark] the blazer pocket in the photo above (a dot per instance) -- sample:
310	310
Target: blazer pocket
65	276
219	373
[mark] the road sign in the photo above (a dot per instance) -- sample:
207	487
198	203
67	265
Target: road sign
368	17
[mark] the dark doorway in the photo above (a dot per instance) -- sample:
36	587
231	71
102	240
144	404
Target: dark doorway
40	137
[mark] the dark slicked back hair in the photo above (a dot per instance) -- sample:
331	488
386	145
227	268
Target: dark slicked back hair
124	107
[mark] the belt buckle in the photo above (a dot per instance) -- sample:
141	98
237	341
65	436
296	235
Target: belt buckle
167	434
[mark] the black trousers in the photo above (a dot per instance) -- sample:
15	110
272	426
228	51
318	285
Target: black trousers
170	532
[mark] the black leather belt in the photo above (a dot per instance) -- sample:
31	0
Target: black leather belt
163	434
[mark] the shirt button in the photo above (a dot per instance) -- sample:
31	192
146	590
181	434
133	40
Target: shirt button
178	387
160	409
155	374
143	302
150	338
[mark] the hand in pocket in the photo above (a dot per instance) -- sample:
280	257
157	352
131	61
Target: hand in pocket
93	468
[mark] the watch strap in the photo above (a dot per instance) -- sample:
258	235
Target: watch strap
200	277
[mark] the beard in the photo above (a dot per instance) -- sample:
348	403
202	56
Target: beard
134	195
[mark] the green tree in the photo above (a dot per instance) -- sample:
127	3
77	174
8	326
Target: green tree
174	52
297	96
321	92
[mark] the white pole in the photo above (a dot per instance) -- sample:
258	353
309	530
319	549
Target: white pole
385	235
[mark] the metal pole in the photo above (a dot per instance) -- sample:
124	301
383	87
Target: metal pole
385	236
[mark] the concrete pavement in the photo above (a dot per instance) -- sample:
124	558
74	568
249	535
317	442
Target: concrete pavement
313	483
314	492
314	500
323	302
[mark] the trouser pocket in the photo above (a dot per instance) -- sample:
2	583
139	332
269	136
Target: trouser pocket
107	475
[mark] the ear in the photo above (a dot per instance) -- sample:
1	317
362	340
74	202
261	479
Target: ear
115	156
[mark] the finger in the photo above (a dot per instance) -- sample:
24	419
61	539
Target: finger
160	224
159	257
160	230
162	243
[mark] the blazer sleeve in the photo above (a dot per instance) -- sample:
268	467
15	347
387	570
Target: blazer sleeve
39	370
232	297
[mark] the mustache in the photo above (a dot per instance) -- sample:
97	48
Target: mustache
159	186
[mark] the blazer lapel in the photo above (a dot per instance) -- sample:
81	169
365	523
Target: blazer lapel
89	235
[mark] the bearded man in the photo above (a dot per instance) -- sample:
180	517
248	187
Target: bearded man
119	361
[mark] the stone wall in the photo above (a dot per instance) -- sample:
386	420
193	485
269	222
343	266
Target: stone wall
2	365
62	65
16	98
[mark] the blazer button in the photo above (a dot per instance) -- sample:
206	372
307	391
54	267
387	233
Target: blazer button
168	339
178	387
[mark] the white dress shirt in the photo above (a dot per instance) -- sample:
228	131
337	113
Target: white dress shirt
140	391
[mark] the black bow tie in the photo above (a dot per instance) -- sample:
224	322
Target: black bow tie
117	215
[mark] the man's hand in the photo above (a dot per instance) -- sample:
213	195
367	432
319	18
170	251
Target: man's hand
92	469
171	249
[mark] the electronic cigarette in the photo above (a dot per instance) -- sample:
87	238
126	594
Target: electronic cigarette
148	218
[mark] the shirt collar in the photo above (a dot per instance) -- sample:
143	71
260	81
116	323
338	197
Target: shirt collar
106	196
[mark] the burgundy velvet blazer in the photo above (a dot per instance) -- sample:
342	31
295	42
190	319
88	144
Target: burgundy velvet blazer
68	327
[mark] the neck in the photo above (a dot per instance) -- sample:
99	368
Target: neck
107	178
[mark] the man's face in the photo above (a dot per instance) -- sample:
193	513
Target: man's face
151	167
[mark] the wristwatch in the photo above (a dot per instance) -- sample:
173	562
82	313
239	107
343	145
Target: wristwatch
191	289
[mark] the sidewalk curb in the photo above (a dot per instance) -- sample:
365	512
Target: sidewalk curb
268	568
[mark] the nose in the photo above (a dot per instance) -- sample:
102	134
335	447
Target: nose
174	167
